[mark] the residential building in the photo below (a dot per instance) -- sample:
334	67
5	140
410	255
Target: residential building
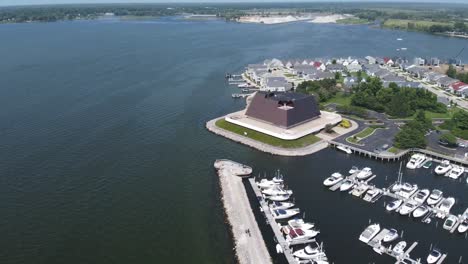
336	68
419	61
458	87
370	60
353	67
276	84
446	81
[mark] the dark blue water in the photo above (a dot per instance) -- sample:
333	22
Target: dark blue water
104	155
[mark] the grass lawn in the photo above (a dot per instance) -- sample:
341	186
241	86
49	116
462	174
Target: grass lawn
363	134
352	21
340	99
289	75
267	139
394	150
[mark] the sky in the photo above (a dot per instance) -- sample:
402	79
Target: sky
40	2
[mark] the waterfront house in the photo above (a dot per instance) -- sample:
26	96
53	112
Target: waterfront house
388	61
417	71
276	84
380	61
274	64
419	61
370	60
435	62
458	87
446	81
319	65
456	62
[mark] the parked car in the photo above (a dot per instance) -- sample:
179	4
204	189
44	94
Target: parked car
461	145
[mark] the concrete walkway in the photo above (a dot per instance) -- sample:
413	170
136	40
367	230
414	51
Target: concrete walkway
250	246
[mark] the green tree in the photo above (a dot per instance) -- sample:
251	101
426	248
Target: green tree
423	120
448	138
410	136
334	61
337	76
452	71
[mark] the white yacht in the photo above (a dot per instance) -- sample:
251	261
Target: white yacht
364	173
344	149
284	213
278	178
435	197
277	190
416	161
392	206
372	194
360	189
353	170
407	190
279	198
443	167
333	179
300	223
265	183
281	205
408	207
391	236
446	205
369	233
420	211
463	227
346	185
455	172
311	251
433	256
299	234
399	248
421	196
450	222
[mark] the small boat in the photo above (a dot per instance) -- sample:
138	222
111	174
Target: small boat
284	213
369	233
404	48
427	164
344	149
360	189
300	223
364	173
311	251
281	205
408	207
463	227
446	205
393	205
443	167
265	184
450	222
433	256
416	161
372	194
435	197
276	190
278	179
407	190
347	184
399	39
379	248
422	195
353	170
399	248
333	179
298	234
420	211
391	236
455	172
279	198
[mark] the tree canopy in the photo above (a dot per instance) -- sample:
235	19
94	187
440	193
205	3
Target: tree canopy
323	89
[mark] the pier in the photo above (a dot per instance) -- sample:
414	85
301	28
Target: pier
249	244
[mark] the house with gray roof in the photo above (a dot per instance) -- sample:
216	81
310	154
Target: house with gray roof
336	68
393	78
382	73
446	81
371	69
433	77
276	84
404	84
353	67
320	75
370	60
417	71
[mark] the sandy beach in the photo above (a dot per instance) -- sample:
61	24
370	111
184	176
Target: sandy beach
277	19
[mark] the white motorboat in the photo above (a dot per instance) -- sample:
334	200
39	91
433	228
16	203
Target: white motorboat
455	172
369	233
311	251
416	161
372	194
284	213
278	177
435	197
333	179
298	234
360	189
346	185
265	183
281	205
408	207
399	248
421	196
463	227
445	206
391	236
393	205
433	256
353	170
364	173
420	211
450	222
345	149
300	223
276	190
279	198
407	190
443	167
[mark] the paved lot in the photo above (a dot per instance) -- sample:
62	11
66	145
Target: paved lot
433	143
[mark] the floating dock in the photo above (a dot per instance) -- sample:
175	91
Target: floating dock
249	244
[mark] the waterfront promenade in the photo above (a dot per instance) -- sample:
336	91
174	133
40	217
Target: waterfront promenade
249	244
